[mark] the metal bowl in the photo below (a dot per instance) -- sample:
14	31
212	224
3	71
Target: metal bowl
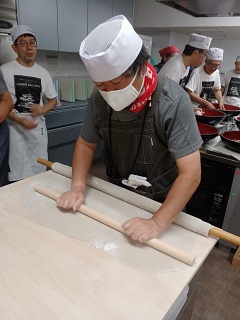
229	137
230	110
207	131
210	116
237	121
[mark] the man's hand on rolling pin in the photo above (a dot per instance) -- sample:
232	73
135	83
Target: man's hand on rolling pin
71	200
142	229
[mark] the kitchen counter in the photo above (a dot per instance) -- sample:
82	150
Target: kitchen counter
64	124
45	274
217	151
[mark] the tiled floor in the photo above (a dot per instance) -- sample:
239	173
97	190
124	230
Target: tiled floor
218	294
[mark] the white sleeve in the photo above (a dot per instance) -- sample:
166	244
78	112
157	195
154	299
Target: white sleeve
50	91
217	82
171	73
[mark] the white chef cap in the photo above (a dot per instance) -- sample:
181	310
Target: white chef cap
110	49
19	30
238	58
215	54
200	42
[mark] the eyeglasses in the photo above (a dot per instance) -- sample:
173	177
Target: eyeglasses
213	65
24	43
203	52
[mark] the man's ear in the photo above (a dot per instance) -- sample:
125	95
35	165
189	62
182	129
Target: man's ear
14	48
144	67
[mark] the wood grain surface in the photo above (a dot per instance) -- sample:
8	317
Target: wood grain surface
47	275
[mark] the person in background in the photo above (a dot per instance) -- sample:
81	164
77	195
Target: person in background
205	80
6	106
194	55
28	83
151	138
231	85
166	54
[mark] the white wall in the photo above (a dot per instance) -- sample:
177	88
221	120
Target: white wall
68	64
231	51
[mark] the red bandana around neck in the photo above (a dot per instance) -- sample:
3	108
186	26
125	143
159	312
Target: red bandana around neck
150	83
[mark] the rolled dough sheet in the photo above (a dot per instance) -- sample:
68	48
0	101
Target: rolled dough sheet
77	225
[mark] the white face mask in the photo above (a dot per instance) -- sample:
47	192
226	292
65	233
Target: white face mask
120	99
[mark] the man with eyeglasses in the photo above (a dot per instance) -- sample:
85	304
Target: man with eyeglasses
205	81
194	54
27	82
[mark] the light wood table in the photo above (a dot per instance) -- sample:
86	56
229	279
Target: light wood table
47	275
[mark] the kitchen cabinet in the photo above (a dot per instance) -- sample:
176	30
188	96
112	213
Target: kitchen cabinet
102	10
64	125
98	12
61	25
58	24
124	7
72	24
42	17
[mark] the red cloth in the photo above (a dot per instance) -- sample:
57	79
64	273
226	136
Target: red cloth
150	83
168	50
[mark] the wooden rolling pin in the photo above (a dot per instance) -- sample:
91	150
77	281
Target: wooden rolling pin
157	244
214	231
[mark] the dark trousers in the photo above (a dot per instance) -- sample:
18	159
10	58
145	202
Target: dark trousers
4	151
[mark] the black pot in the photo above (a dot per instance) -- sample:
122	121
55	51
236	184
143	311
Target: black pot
229	137
230	110
210	116
207	131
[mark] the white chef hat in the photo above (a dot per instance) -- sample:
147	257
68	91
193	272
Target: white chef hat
238	58
215	54
19	30
110	49
200	42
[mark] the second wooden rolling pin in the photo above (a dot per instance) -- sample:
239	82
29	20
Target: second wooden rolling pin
157	244
189	222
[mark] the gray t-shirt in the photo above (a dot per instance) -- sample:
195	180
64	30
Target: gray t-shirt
174	120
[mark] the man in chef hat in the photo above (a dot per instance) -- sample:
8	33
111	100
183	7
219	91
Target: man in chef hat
231	85
193	55
166	54
150	133
27	83
205	81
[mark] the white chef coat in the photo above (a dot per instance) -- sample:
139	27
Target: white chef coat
175	69
231	82
27	86
202	84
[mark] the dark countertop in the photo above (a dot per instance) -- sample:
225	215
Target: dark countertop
219	157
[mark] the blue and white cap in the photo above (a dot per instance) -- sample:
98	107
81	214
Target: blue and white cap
19	30
215	54
199	41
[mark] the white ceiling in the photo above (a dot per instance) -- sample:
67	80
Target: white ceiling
218	33
213	8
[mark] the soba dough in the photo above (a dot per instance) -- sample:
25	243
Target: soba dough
77	225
